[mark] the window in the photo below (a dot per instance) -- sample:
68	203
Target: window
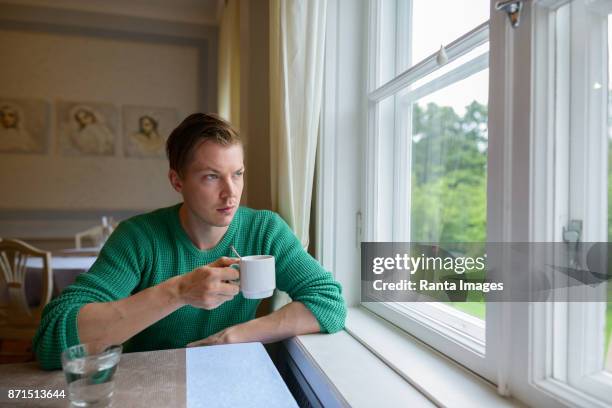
576	354
428	138
444	163
529	111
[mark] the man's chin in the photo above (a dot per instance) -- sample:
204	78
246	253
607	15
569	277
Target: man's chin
223	220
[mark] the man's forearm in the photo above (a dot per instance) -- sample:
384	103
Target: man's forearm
116	322
291	320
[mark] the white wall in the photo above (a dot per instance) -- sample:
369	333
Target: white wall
56	54
80	68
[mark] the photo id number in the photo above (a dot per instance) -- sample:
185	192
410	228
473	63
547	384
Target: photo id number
36	394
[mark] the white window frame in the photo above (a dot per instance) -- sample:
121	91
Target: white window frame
574	330
533	132
521	78
458	334
589	201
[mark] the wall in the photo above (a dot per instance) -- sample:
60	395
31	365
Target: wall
256	102
79	68
58	55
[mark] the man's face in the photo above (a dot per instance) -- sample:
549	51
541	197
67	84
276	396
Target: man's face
212	183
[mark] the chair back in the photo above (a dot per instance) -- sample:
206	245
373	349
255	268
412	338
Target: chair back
93	235
18	315
97	235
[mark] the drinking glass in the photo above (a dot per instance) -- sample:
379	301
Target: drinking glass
89	370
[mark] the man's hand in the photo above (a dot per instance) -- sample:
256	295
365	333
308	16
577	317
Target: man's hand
226	336
290	320
209	286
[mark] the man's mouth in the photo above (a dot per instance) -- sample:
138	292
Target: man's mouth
225	210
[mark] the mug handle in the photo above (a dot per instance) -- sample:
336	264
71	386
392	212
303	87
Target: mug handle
237	267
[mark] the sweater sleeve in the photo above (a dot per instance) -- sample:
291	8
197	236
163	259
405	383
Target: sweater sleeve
304	279
113	276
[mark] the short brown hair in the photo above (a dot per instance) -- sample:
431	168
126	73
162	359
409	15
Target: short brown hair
193	130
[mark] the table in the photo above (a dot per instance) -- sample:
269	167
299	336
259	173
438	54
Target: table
64	262
65	271
236	375
85	251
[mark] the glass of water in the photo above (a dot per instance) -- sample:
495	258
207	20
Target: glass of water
89	370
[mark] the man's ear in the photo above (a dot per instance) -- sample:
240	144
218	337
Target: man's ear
175	180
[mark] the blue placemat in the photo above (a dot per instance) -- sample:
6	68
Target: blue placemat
234	375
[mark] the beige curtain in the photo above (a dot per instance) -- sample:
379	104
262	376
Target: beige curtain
297	44
229	63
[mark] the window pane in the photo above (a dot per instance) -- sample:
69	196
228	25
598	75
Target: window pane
411	30
449	158
440	22
448	167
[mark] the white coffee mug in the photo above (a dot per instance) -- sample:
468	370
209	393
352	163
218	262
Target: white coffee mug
257	276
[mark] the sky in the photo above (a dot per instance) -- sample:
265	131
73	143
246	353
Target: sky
432	28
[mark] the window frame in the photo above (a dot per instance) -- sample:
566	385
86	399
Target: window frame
424	320
585	333
517	57
571	372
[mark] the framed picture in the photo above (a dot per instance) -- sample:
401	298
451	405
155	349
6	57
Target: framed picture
87	128
24	125
145	130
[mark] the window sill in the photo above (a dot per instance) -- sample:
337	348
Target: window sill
400	370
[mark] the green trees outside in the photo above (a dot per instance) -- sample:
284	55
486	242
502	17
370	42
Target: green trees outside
449	181
449	174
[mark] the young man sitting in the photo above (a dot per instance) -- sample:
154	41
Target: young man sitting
164	279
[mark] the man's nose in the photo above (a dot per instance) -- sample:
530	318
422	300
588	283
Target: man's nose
229	189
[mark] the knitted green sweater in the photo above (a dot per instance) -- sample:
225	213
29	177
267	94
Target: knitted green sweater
148	249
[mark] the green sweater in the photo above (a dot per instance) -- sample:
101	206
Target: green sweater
150	248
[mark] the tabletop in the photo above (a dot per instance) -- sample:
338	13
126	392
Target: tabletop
64	262
84	251
236	375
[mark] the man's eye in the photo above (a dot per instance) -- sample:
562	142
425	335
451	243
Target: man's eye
239	173
210	177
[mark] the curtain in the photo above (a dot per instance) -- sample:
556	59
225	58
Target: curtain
297	44
229	63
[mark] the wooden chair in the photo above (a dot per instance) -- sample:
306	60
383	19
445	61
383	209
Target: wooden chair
19	321
96	235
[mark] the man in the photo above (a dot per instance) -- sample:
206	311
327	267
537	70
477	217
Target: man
164	279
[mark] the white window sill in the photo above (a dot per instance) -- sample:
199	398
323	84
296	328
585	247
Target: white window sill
393	369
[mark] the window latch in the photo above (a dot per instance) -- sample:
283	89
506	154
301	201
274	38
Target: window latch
572	235
512	8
